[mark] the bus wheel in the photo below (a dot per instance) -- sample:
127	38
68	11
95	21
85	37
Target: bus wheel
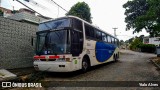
85	65
118	55
115	57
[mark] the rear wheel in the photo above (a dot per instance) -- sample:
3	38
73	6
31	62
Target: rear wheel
85	65
118	55
115	57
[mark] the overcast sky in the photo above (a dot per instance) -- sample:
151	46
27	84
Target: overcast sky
106	14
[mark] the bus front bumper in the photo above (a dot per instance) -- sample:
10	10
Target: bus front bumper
54	66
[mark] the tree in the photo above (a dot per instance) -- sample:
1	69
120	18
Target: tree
81	10
152	18
134	9
143	14
1	13
141	38
135	44
129	40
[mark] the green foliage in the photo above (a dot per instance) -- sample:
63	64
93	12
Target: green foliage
129	40
121	42
81	10
134	9
1	13
143	14
135	44
150	48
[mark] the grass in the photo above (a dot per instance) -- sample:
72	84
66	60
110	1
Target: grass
156	60
33	77
2	74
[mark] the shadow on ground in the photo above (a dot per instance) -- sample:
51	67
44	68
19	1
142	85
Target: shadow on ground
75	73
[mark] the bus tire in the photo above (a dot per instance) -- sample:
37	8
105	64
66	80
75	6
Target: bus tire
115	58
118	55
85	65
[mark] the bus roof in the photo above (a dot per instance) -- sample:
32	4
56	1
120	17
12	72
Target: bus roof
78	19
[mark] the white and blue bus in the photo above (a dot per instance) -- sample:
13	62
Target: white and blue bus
69	43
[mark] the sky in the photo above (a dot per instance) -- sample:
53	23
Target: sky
106	14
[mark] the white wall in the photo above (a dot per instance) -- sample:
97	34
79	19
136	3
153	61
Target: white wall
154	40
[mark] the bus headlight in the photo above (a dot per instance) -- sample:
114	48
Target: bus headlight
68	59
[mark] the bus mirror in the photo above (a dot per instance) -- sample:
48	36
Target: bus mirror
32	40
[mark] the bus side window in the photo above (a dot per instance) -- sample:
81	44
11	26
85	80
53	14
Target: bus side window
98	35
89	32
76	42
77	24
113	40
104	38
109	39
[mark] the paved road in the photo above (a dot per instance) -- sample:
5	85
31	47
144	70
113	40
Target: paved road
132	66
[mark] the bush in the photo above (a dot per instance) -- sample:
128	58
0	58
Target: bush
1	13
135	44
150	48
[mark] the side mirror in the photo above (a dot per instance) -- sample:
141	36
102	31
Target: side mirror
32	41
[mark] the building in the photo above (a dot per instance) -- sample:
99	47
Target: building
6	12
23	14
152	40
26	10
27	17
16	34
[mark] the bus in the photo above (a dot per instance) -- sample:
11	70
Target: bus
69	44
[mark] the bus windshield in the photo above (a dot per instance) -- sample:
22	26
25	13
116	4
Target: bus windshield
53	42
55	24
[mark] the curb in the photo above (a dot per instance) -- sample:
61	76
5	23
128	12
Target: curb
158	66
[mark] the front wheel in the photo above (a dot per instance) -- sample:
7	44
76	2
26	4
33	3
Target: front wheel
85	65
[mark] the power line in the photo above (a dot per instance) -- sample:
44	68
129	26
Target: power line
29	8
36	4
58	5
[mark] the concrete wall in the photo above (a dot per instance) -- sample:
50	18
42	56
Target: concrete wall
16	50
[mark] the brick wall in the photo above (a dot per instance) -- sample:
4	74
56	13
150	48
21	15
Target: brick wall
16	50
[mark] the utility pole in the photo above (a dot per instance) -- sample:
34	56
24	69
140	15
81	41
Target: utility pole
115	31
0	3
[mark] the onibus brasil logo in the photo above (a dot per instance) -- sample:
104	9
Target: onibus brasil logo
13	84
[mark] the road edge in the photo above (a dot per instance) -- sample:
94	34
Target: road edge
158	66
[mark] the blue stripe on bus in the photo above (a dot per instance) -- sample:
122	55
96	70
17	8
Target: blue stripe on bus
104	51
